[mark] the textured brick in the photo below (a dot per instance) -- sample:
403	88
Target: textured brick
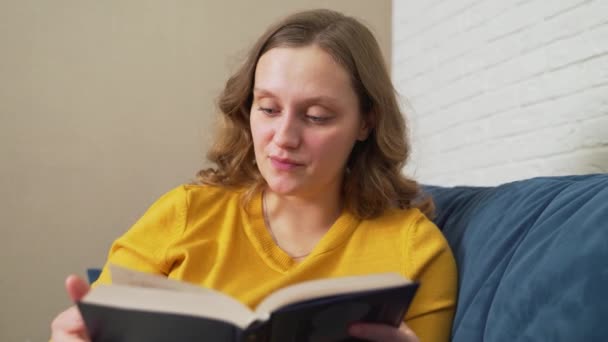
503	90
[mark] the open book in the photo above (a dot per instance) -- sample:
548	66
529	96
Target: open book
145	307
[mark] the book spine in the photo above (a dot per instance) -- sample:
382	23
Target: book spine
258	331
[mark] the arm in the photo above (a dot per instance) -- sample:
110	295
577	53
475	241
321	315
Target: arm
427	259
430	261
144	247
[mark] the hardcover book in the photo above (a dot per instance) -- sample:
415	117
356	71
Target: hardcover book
145	307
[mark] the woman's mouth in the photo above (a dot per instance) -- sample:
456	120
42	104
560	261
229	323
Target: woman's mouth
284	164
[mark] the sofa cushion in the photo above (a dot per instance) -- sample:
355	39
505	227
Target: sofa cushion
532	258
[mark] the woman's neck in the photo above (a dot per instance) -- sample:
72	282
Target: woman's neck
297	223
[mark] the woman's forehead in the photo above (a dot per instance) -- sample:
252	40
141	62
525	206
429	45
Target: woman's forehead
309	71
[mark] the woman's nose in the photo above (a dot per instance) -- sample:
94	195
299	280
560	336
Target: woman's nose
287	133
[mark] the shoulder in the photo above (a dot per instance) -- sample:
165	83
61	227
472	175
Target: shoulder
426	248
403	220
209	196
195	193
171	215
410	226
175	206
416	228
420	238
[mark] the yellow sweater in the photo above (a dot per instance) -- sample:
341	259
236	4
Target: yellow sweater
202	235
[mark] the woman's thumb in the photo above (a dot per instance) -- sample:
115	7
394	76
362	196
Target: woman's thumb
76	287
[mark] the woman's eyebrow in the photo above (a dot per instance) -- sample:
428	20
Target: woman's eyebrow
322	99
263	92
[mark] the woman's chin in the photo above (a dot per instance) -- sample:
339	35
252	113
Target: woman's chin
286	189
283	191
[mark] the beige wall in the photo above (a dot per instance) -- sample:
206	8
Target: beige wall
105	105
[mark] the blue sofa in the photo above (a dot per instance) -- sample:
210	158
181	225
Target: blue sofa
532	258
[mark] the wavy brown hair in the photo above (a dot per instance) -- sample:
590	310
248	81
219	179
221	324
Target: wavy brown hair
373	181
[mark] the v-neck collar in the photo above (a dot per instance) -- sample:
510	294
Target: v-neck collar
257	232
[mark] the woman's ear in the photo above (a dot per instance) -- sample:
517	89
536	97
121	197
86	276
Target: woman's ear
366	127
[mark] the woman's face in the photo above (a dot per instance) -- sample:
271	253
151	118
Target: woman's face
305	120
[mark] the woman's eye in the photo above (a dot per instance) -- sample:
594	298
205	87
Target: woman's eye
266	110
317	119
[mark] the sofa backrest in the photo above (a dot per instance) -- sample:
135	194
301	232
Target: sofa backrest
532	258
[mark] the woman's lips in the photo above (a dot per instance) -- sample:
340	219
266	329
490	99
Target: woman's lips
283	164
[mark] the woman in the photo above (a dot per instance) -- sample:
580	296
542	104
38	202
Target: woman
307	185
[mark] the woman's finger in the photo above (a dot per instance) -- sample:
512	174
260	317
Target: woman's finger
76	287
62	336
382	332
69	320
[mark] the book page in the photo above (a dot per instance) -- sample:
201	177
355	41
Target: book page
125	276
148	292
206	304
328	287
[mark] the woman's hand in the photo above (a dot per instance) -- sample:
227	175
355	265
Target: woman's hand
68	326
383	332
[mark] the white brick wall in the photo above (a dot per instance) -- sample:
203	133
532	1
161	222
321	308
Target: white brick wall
500	90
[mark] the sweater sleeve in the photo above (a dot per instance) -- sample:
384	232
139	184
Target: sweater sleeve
429	260
144	246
